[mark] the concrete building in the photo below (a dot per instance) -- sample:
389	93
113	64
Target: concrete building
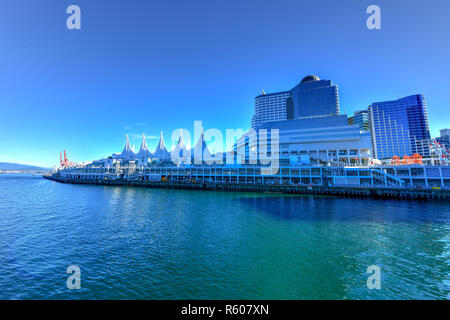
315	140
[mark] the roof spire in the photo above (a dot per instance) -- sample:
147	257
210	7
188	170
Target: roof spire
144	143
161	140
201	151
181	140
127	145
161	151
127	150
144	152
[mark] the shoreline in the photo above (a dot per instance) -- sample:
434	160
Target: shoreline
353	192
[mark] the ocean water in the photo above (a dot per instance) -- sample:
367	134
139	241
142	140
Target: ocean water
138	243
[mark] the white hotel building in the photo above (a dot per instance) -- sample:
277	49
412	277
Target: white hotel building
270	107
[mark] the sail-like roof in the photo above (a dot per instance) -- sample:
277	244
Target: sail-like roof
180	148
201	152
144	152
127	152
161	151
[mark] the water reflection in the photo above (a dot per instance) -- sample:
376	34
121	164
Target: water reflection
345	209
175	244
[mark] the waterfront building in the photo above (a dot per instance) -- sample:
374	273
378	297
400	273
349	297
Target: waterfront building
161	152
433	152
335	176
270	107
180	153
360	118
311	97
127	153
200	153
144	154
314	140
423	147
397	126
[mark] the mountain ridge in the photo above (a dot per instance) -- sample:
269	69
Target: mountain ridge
19	167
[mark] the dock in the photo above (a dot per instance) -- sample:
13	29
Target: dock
336	191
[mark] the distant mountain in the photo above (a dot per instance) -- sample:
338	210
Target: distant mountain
19	167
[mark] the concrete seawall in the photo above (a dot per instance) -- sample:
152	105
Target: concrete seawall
357	192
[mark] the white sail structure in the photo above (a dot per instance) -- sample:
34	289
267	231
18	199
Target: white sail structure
144	154
161	151
201	153
127	152
180	153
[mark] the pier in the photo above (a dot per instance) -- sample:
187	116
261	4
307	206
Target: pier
339	191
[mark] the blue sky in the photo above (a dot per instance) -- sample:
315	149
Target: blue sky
145	66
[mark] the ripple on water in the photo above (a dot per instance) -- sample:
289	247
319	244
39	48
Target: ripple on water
136	243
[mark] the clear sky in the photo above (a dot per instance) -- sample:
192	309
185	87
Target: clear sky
145	66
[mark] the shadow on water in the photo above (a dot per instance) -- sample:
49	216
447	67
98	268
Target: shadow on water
350	210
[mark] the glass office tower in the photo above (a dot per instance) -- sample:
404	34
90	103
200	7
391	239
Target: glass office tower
313	97
397	125
360	118
444	138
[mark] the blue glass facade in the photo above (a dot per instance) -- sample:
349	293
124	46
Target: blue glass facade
397	125
361	119
314	97
444	138
311	97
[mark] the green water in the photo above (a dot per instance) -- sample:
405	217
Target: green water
137	243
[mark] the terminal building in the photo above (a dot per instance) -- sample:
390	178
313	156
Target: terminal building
315	145
316	140
311	130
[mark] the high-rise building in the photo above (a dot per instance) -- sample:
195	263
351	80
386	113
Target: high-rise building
360	118
445	132
396	126
444	138
270	107
311	97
